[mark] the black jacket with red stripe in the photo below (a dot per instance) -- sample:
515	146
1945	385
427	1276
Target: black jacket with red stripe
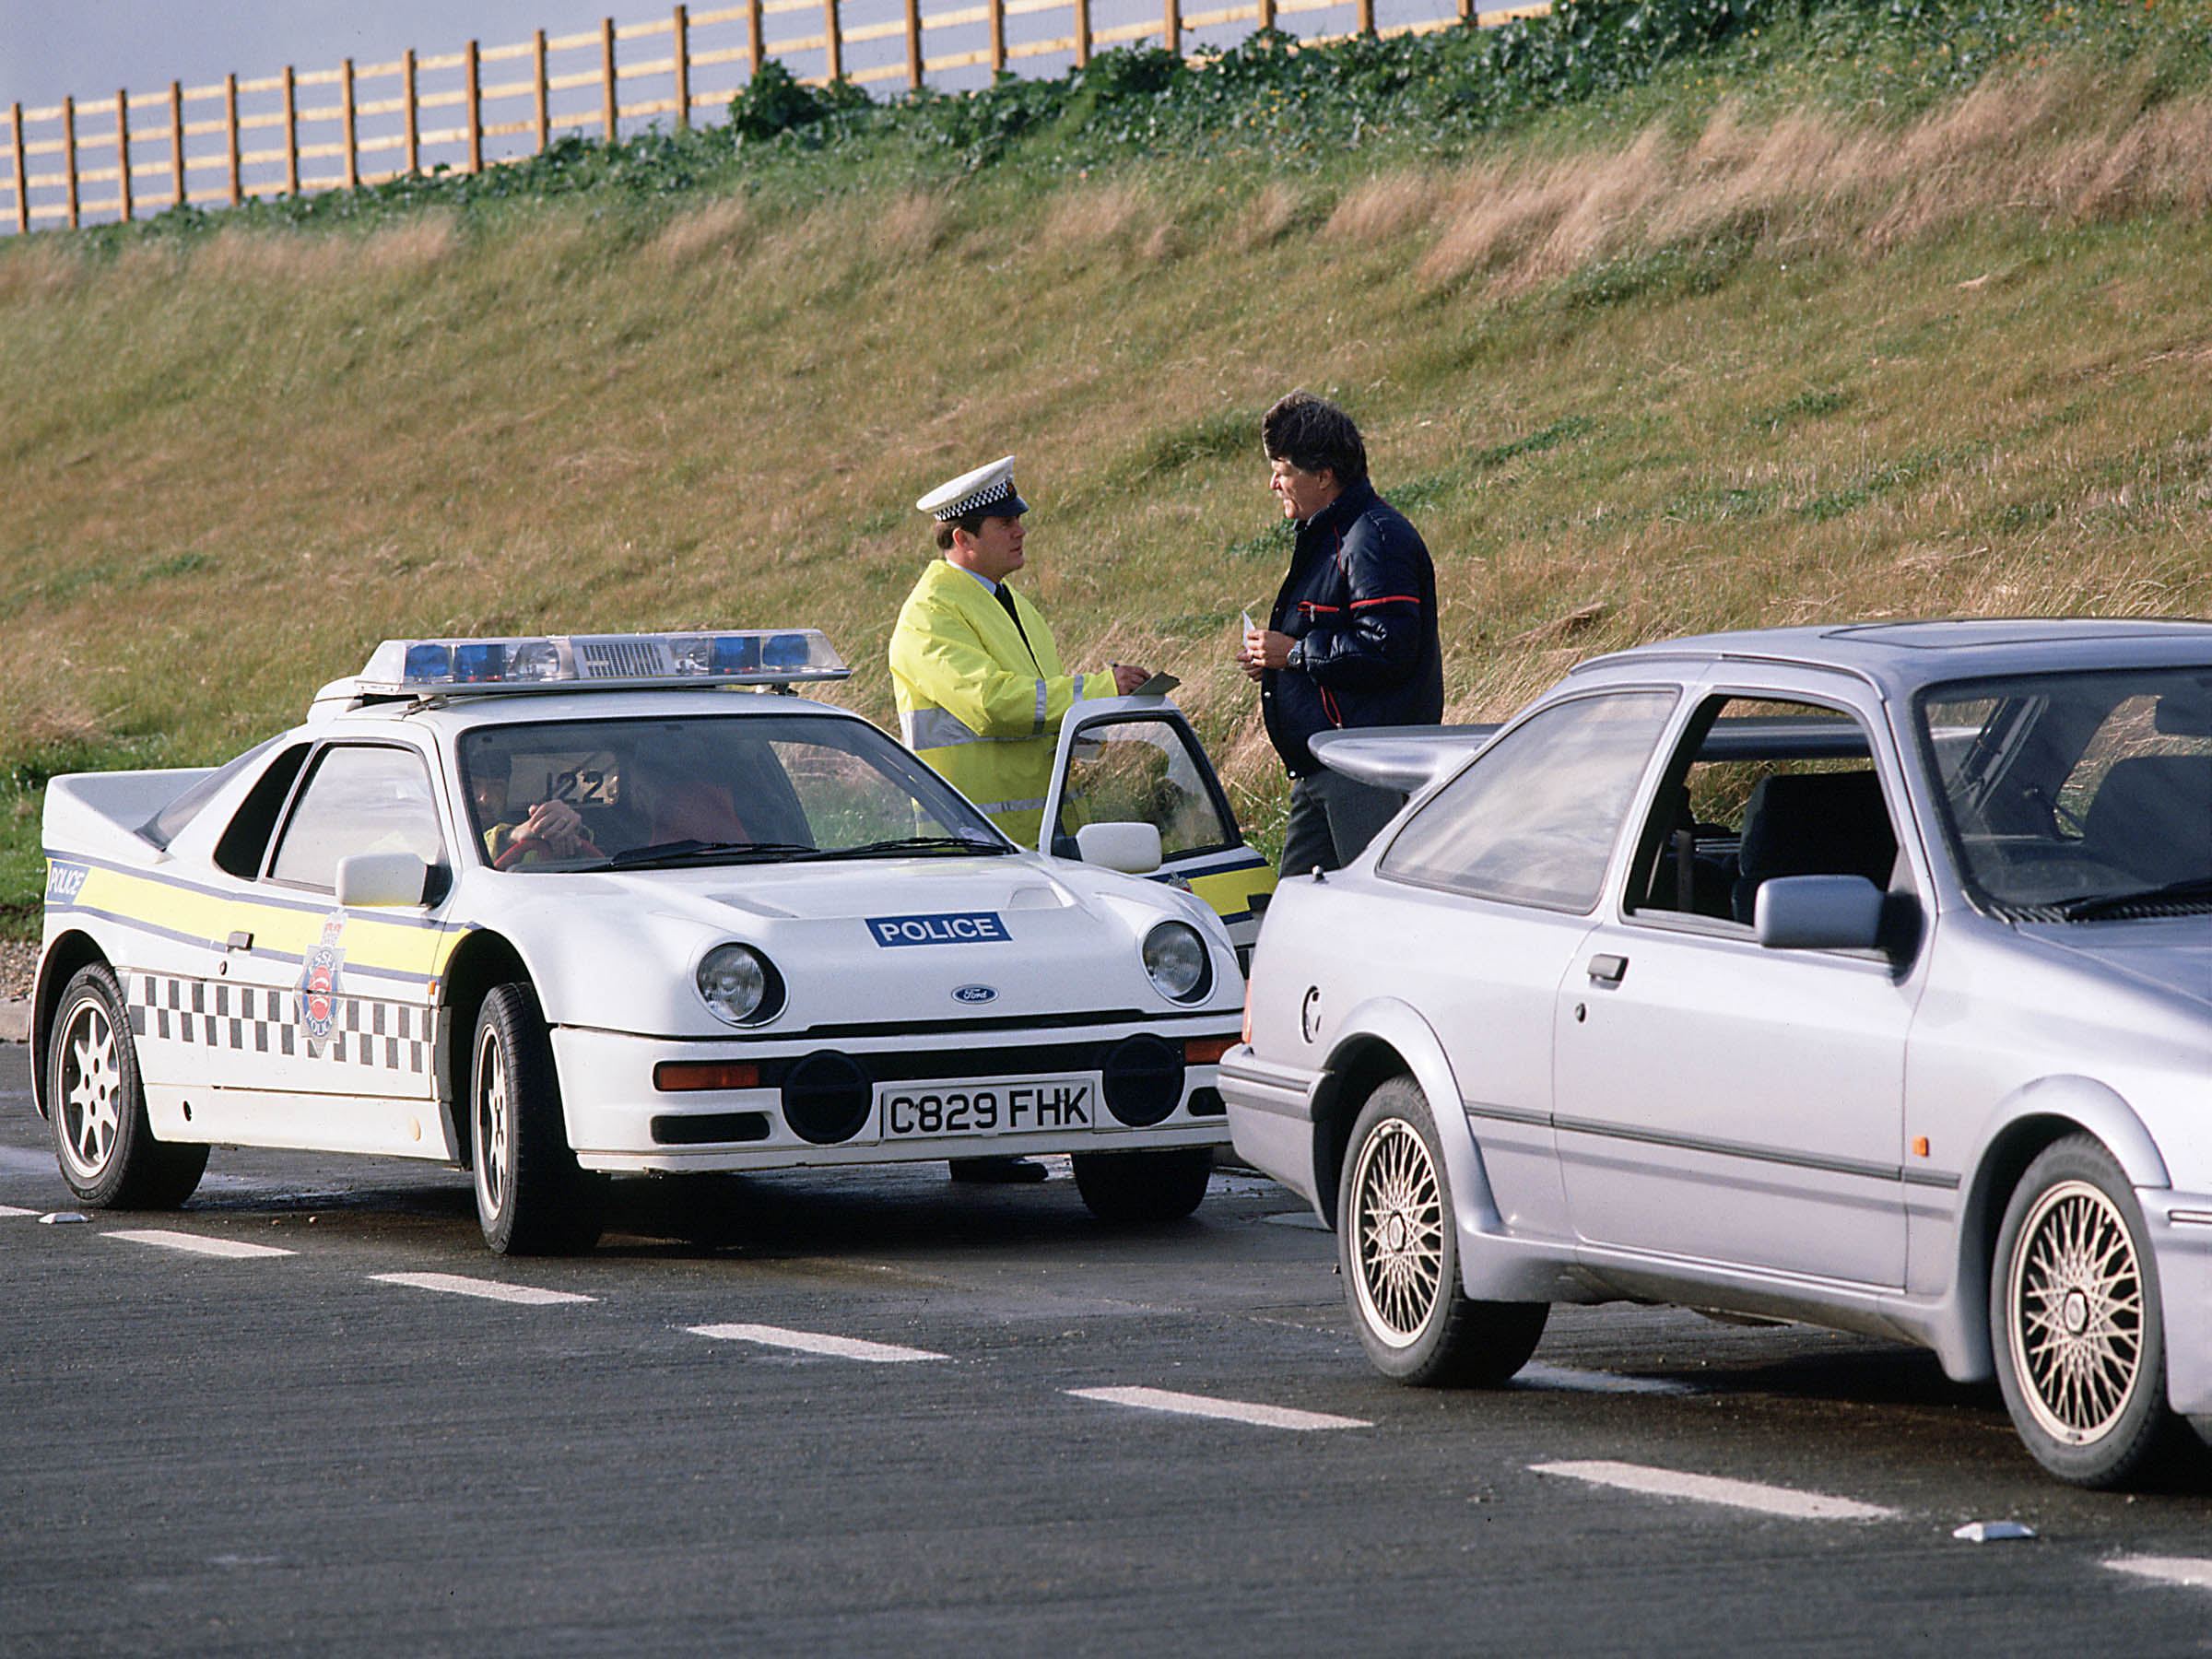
1361	602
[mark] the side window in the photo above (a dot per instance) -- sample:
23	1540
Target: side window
1142	771
246	837
1762	788
1534	819
357	798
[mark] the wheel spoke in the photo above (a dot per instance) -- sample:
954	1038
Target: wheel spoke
1398	1230
2076	1296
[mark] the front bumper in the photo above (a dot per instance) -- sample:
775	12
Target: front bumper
620	1120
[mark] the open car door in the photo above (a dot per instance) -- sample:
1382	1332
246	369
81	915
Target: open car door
1136	762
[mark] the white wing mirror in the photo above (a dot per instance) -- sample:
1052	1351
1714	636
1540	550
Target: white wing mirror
383	879
1817	912
1133	849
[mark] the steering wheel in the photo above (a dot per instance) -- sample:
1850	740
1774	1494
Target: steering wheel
523	845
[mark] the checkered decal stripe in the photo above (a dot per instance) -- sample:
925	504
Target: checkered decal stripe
380	1036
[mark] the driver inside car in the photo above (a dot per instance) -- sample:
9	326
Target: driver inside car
550	828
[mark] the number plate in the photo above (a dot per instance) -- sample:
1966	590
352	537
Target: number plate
1011	1106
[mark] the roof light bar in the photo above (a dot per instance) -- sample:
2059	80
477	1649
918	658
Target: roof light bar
742	656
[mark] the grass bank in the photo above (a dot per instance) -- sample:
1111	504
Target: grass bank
1740	340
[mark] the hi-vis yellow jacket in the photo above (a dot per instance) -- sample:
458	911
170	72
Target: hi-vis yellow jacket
976	702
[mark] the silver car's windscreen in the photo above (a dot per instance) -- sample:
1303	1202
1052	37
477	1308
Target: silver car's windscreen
2081	797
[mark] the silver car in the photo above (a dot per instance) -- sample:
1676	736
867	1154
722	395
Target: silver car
1856	975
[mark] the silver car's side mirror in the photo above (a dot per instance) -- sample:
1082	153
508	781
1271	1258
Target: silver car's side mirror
383	879
1133	849
1817	912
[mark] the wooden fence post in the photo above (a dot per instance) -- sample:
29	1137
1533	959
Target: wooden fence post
176	144
291	134
999	37
836	43
473	100
122	152
1466	11
913	44
753	25
238	192
607	75
14	118
1082	32
1367	17
352	126
413	119
681	27
1267	12
1170	27
544	97
69	153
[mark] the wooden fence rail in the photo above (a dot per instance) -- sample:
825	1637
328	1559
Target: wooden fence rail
362	124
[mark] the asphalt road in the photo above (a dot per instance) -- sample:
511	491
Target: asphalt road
290	1450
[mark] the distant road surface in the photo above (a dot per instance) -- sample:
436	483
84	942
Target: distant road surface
878	1414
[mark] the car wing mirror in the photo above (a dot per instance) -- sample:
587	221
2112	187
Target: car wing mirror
1819	912
373	880
1133	849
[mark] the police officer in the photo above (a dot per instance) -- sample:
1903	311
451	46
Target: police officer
977	677
1352	639
978	683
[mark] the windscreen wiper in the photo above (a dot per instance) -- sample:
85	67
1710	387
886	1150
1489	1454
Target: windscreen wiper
954	844
696	851
2091	907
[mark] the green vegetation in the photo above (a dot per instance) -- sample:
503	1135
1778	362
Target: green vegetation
1659	319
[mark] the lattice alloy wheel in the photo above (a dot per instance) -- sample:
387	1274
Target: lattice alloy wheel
2074	1311
1397	1237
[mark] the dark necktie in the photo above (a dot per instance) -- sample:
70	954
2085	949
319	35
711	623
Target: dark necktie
1006	598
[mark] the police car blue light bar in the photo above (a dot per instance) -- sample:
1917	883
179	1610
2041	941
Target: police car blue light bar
744	656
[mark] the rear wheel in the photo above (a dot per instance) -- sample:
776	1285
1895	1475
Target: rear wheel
2076	1324
532	1198
101	1138
1136	1188
1398	1245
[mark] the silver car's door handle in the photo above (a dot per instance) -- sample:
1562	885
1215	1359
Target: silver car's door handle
1607	970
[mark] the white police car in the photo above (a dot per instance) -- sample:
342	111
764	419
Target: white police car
566	908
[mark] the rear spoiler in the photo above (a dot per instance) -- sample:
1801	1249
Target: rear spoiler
1407	759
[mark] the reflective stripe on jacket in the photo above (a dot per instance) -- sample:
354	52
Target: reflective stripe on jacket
977	701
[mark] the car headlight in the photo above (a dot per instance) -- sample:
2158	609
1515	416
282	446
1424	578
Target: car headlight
1178	961
740	984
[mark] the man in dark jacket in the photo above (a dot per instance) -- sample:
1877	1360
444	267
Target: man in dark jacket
1352	639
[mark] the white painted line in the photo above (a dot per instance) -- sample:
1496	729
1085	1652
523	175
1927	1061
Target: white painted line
195	1244
1305	1218
1202	1405
1711	1489
812	1342
9	1212
454	1284
2165	1570
1540	1375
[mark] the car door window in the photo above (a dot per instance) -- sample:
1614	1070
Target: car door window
1759	788
1534	819
1142	771
357	798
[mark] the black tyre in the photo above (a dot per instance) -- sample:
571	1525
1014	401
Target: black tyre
101	1138
1399	1248
532	1198
1141	1188
2074	1318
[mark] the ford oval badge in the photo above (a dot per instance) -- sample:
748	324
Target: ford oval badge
975	993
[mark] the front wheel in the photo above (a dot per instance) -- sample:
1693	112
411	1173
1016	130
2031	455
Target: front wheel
101	1137
1398	1245
1141	1188
2075	1317
532	1199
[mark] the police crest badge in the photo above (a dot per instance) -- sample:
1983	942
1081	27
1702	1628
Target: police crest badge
319	983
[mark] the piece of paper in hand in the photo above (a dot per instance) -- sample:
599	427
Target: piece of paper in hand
1249	629
1160	685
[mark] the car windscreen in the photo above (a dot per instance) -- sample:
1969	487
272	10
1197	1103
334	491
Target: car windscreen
2077	797
706	789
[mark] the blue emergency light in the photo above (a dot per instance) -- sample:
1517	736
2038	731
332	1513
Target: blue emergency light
745	656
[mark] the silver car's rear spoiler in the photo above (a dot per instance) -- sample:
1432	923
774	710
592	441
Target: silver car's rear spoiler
1407	759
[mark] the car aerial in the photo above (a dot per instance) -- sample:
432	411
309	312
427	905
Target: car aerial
1857	975
560	908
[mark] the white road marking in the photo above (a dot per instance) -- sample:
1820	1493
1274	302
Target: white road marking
1711	1489
454	1284
1202	1405
1305	1218
2165	1570
813	1342
195	1244
9	1212
1538	1375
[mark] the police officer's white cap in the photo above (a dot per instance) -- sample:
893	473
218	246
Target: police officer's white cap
986	489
